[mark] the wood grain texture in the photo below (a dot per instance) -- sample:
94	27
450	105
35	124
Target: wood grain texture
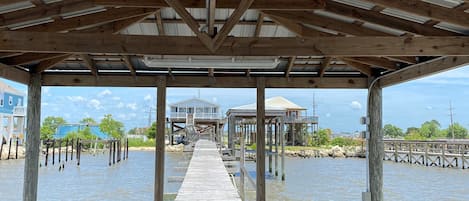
260	141
376	145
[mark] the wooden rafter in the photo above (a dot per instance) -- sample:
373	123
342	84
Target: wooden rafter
326	23
9	2
191	22
258	4
376	17
45	11
427	10
89	63
114	27
231	22
297	28
111	15
407	60
15	74
204	81
420	70
324	65
291	63
28	58
129	65
46	64
363	68
375	61
201	21
211	17
9	54
159	23
14	41
260	21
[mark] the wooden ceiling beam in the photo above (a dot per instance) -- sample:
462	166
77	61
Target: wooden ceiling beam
14	74
46	64
363	68
324	65
50	79
113	27
89	63
420	70
202	21
45	11
298	28
211	17
407	60
111	15
28	58
191	22
376	61
17	41
231	22
425	9
159	23
130	65
9	54
9	2
385	20
291	63
258	4
326	23
260	22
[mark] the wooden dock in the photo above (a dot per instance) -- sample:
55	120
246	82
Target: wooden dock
207	177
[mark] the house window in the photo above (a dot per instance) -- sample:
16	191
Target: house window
10	100
19	102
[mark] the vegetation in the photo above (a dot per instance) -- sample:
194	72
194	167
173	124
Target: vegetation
137	142
84	134
428	130
50	125
88	120
345	141
322	137
151	132
113	128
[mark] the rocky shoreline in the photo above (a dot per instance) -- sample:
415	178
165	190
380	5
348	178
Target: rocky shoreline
334	152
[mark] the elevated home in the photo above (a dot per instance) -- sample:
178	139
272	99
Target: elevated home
205	116
292	115
12	112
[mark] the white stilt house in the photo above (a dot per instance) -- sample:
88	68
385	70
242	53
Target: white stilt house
12	112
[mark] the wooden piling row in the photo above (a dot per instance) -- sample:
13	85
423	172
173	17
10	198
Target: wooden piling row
1	148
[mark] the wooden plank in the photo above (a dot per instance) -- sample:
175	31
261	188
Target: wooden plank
89	63
50	79
108	16
48	10
258	4
429	10
260	21
191	22
33	141
297	28
159	23
128	63
385	20
324	65
231	22
211	17
16	41
160	138
260	140
428	68
375	143
363	68
326	23
14	74
29	58
291	63
46	64
375	61
9	2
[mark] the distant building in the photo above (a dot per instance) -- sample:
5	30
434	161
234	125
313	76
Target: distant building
65	129
12	112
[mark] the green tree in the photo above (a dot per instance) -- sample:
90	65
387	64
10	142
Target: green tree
459	131
414	135
392	131
84	134
111	127
50	125
430	129
151	132
323	137
88	120
411	130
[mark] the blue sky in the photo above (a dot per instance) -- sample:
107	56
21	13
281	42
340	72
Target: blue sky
405	105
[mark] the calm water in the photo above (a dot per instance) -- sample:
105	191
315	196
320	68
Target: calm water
307	179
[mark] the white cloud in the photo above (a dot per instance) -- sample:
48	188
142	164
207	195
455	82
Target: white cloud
45	91
105	92
116	98
120	105
214	99
328	115
44	104
147	97
96	104
132	106
429	108
356	105
76	98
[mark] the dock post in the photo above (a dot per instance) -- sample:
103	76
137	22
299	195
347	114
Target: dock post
113	151
269	132
443	150
77	147
9	149
1	147
60	151
53	152
31	162
110	152
127	147
71	154
410	153
160	144
241	161
47	152
276	148
426	154
260	140
17	142
376	146
66	150
78	151
282	143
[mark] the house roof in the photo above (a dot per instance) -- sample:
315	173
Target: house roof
277	103
194	101
7	88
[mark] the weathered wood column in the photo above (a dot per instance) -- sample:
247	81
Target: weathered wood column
160	135
260	140
33	141
376	146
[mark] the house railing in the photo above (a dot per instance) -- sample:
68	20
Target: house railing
301	119
183	115
19	111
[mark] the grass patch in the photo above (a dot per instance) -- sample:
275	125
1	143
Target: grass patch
137	142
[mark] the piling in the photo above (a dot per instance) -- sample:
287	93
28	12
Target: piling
17	142
114	152
1	148
276	148
9	149
60	151
53	152
78	152
118	151
66	150
47	152
110	152
71	154
269	131
127	147
77	147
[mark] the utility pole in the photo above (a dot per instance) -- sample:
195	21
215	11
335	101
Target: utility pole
451	118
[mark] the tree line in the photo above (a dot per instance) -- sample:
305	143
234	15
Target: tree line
108	125
428	130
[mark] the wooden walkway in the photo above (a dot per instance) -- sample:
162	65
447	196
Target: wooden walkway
207	177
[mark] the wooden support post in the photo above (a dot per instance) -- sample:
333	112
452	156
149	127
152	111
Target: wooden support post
16	151
276	148
269	127
9	149
78	151
71	154
47	152
463	158
443	150
110	152
60	151
426	154
77	148
260	140
113	152
66	150
160	149
376	146
53	152
1	147
396	154
31	165
231	133
127	148
241	162
410	153
282	143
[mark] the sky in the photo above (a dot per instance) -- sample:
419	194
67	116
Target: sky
404	105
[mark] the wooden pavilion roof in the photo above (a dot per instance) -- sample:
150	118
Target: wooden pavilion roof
320	43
